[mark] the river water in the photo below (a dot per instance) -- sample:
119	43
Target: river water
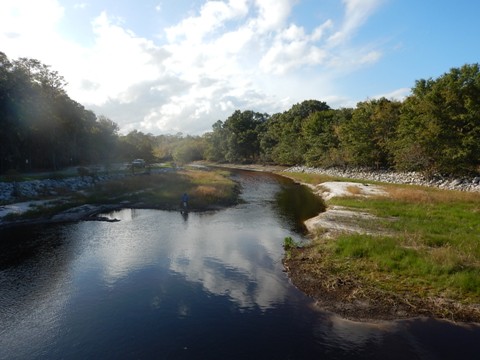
161	285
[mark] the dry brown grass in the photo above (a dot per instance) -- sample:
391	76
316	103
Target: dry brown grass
409	194
206	177
423	195
354	190
205	190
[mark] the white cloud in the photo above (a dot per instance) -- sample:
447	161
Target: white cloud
272	14
356	13
236	54
29	18
293	48
118	60
398	94
319	31
213	15
24	25
80	6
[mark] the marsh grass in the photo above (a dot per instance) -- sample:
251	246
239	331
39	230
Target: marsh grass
206	189
433	246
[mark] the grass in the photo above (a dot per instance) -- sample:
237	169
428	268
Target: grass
315	179
311	178
207	189
288	245
433	250
354	190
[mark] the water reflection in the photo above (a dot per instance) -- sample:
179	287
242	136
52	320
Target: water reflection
296	204
34	288
241	265
159	285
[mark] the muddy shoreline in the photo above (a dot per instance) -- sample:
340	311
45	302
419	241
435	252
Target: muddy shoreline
354	300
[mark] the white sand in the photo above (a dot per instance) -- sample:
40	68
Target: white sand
331	189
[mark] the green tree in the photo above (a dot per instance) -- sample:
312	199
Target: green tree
216	143
40	126
103	140
440	124
284	132
368	136
9	131
318	132
137	145
242	130
189	149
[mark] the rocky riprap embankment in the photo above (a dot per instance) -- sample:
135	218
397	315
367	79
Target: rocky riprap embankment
412	178
9	191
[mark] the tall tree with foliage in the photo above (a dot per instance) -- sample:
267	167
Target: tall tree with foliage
137	145
104	139
46	92
9	127
242	130
439	129
216	143
284	132
188	149
40	126
321	140
368	136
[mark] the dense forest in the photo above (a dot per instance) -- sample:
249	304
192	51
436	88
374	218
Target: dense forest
434	130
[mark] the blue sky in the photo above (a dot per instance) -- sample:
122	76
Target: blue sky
168	66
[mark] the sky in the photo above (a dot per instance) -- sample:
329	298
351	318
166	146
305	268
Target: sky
178	66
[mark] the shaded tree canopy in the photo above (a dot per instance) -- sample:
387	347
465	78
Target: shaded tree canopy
40	126
435	130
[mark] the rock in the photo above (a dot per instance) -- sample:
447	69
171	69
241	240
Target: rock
394	177
456	182
35	188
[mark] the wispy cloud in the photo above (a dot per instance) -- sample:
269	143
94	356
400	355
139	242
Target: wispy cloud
246	54
80	6
212	16
356	14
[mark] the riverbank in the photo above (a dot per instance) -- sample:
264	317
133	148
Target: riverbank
386	252
392	177
389	246
207	190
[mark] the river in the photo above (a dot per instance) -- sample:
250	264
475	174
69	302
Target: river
162	285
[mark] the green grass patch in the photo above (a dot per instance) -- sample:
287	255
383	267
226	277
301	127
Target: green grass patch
433	246
384	261
288	245
308	178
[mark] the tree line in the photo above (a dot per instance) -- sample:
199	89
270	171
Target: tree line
42	128
434	130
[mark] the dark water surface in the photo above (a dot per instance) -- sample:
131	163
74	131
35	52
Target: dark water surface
157	285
